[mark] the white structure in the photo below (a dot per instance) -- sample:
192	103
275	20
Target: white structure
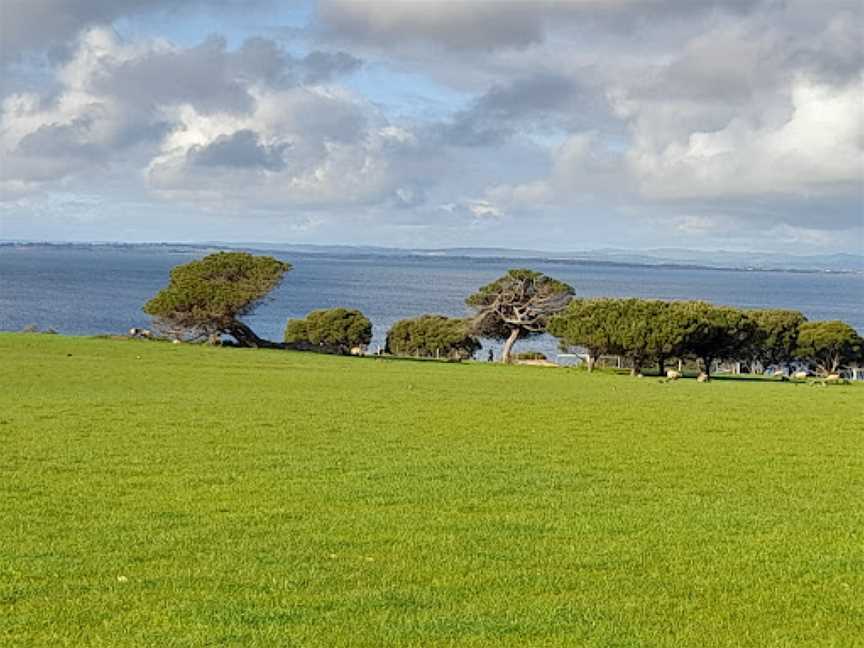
856	373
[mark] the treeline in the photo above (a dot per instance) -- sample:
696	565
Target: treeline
647	331
206	299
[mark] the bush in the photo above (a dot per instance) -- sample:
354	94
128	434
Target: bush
337	330
432	336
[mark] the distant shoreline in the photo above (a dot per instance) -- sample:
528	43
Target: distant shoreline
491	255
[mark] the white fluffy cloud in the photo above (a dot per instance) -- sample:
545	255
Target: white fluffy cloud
208	124
817	148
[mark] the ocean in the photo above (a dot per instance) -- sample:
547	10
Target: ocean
87	290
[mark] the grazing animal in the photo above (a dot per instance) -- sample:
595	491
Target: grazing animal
671	374
702	377
833	378
799	375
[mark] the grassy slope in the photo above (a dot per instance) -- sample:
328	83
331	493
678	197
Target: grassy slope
161	495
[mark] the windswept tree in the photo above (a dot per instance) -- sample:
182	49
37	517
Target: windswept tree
589	324
829	345
337	330
716	332
432	336
210	296
777	339
517	305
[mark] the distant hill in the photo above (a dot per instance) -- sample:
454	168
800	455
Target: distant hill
673	257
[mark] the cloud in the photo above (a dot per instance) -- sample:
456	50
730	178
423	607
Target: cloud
818	148
643	119
241	149
489	25
117	101
39	26
462	25
305	146
541	102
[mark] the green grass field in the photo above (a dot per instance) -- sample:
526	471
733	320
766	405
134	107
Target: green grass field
162	495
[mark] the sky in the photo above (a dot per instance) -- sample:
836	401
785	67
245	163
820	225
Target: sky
567	125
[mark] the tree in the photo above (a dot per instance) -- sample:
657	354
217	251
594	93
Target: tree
517	305
431	336
777	339
715	332
209	296
336	329
829	345
587	323
671	327
645	330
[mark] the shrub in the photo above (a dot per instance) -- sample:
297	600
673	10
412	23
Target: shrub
431	336
336	329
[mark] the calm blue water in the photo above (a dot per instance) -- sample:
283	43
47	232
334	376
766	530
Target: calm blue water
82	291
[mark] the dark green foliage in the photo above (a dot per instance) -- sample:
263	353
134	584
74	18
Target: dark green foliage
829	345
340	329
777	338
430	336
641	330
671	328
590	324
715	332
516	305
210	295
646	330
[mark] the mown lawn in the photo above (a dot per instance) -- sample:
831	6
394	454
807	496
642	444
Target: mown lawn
161	495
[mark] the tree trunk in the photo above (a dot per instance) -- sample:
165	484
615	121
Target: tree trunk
706	361
661	365
246	337
508	345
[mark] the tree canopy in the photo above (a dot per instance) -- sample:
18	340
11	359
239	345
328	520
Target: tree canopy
641	330
210	295
646	330
776	340
829	345
430	336
518	304
336	329
715	332
587	323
